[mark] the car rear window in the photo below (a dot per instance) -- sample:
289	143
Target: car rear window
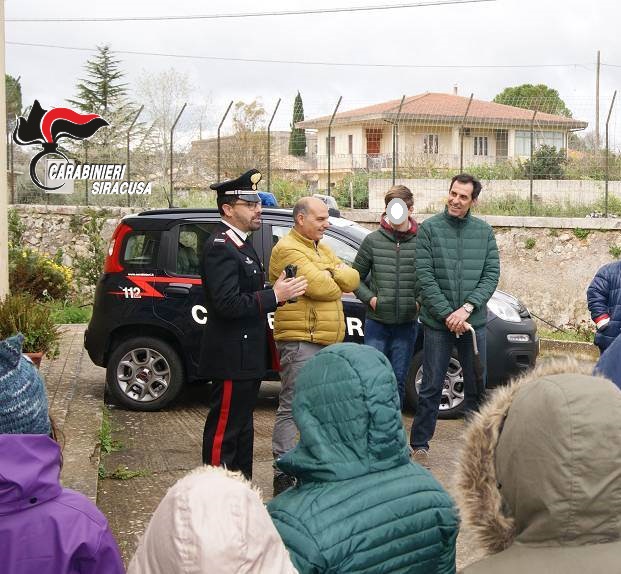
141	249
192	237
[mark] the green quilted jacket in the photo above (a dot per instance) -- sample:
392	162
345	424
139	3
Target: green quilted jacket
387	271
456	262
360	505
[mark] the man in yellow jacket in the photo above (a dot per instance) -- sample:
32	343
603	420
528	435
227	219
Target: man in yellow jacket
316	319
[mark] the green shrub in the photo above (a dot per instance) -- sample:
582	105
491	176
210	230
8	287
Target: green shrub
548	163
615	251
31	272
503	170
530	243
581	233
17	228
356	184
23	314
70	312
288	192
88	267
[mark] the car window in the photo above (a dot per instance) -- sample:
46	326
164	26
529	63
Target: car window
346	253
278	232
192	237
141	249
342	250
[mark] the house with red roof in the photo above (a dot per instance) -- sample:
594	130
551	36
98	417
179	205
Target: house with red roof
427	131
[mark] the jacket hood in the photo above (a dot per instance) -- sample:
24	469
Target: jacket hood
29	472
395	234
541	465
212	520
346	408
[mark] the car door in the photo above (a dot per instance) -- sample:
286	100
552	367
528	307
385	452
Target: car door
182	305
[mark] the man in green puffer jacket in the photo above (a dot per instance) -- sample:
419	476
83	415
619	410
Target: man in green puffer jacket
457	271
359	504
386	264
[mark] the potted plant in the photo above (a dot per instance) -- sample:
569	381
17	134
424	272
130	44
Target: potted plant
21	313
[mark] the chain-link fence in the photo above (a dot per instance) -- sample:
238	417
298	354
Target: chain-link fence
535	156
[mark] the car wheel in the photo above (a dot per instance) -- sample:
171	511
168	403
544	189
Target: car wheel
144	374
452	401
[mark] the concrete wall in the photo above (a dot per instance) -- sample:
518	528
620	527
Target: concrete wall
551	277
430	194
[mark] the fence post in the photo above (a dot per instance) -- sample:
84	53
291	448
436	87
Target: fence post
218	142
269	140
86	180
532	143
170	202
395	127
10	145
461	136
128	159
608	156
329	142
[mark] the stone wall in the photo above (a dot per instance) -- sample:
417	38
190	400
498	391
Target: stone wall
551	276
48	228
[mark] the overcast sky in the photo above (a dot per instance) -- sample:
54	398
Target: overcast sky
501	33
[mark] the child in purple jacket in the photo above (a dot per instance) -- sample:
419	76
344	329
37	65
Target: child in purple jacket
44	528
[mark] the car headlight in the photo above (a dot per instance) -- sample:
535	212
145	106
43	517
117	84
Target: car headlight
503	310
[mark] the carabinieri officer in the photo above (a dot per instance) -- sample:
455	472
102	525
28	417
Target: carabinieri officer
234	344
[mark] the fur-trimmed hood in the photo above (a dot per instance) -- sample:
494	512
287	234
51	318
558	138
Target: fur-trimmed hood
212	520
539	480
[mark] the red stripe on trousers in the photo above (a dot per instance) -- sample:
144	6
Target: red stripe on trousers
225	409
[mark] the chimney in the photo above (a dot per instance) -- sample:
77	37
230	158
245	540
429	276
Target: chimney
455	90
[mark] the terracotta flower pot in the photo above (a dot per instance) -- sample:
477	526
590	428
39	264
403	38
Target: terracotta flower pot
35	358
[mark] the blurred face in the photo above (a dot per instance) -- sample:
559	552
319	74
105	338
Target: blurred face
245	215
460	199
315	221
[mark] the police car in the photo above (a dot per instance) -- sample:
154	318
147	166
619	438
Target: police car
149	311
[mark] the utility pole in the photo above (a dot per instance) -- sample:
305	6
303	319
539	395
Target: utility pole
597	101
4	232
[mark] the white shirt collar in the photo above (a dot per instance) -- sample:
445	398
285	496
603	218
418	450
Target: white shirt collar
241	234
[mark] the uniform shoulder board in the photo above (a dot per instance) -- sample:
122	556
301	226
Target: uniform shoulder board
234	238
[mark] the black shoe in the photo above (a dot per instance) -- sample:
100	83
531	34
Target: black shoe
282	482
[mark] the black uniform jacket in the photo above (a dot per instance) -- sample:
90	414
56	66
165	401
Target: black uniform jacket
234	344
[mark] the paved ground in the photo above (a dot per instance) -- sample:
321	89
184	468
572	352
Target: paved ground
163	446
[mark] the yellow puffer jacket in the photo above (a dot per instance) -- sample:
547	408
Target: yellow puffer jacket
318	316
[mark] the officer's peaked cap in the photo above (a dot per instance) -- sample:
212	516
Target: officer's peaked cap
244	187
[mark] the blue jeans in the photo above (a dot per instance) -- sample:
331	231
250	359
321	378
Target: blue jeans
437	349
397	343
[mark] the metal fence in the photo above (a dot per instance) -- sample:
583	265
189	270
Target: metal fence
531	155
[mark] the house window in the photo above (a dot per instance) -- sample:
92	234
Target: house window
350	144
522	141
430	143
480	145
330	145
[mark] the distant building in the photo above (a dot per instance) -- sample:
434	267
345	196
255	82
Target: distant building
429	129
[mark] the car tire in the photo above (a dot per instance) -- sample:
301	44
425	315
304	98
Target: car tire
455	389
144	374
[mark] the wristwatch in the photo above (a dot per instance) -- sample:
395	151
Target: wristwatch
469	307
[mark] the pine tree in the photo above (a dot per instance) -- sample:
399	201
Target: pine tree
103	92
297	140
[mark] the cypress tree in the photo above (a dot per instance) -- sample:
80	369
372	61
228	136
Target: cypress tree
297	140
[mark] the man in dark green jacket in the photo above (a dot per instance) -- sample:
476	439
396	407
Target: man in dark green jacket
457	271
386	264
359	504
